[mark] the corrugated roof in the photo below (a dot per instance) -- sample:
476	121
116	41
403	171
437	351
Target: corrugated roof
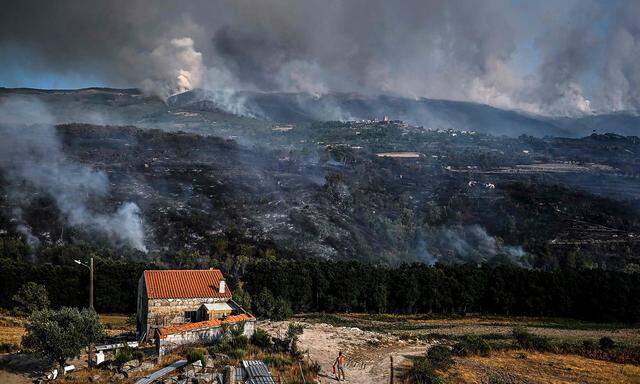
184	283
257	372
173	329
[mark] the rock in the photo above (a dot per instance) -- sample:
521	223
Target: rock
118	377
132	363
146	366
94	378
209	363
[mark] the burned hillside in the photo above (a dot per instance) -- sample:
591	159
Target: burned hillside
324	190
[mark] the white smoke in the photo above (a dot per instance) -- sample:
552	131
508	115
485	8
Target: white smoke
31	157
174	67
465	243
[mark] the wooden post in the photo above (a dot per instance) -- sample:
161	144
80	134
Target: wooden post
391	371
302	372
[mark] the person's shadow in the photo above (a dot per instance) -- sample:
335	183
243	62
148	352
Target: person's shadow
333	377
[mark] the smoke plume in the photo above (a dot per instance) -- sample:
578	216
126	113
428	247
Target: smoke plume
557	58
31	157
466	243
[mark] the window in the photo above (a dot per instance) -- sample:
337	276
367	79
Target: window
191	316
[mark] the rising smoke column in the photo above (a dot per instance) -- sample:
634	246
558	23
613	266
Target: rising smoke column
548	57
31	157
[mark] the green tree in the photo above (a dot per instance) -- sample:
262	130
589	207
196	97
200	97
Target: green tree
62	334
31	297
264	303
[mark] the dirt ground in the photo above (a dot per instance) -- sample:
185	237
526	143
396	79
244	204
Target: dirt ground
367	353
368	356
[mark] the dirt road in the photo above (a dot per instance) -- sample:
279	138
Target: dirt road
368	353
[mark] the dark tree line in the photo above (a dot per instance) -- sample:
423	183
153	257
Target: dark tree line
317	286
329	286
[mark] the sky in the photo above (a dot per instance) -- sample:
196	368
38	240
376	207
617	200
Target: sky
567	57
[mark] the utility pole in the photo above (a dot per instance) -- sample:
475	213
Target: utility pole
90	267
91	284
391	371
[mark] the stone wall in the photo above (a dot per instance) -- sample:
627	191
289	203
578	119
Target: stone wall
204	336
171	311
160	312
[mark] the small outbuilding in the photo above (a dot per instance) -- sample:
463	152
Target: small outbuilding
209	311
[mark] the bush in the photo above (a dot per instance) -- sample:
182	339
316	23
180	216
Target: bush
138	355
123	355
422	372
472	345
528	340
315	367
588	345
278	361
606	343
261	339
440	357
195	354
8	347
237	354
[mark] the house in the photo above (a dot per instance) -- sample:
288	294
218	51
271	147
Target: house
176	306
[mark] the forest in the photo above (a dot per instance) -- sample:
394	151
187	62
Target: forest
266	282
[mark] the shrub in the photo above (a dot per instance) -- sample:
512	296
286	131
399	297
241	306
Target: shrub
261	339
528	340
315	367
282	310
588	345
123	355
421	371
195	354
278	361
606	343
8	347
237	354
440	357
138	355
472	345
239	342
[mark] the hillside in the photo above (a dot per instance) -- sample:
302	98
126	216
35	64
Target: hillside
186	177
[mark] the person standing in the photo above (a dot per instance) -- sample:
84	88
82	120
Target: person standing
338	366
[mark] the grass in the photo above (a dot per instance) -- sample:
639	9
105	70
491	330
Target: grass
525	366
428	327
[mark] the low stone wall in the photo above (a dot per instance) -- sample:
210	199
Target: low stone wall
206	336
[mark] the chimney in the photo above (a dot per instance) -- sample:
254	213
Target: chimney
222	286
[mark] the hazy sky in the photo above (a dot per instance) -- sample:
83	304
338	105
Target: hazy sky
550	57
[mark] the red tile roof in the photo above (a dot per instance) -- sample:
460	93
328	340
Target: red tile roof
173	329
184	283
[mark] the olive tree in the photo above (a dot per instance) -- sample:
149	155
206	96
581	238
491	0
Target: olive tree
62	334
